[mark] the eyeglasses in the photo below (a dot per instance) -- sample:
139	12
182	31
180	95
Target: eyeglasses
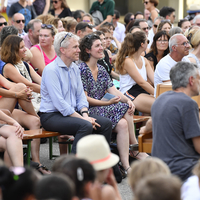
162	41
54	2
131	19
68	34
88	21
155	25
48	26
145	28
18	21
184	43
146	2
4	23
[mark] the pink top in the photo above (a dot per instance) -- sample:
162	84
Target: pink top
46	59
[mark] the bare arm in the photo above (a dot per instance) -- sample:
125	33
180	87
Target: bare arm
108	19
154	14
11	72
130	67
150	73
37	60
196	142
115	75
46	8
35	77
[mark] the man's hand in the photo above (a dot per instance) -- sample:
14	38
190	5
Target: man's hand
92	121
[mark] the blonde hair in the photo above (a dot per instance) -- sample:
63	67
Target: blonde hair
68	23
194	37
143	168
45	18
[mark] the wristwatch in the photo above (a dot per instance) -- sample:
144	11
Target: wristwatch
85	111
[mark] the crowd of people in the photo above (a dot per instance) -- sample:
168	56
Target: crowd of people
84	75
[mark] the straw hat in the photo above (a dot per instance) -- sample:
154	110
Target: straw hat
95	149
194	8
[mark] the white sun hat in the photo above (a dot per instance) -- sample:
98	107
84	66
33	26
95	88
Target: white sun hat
95	149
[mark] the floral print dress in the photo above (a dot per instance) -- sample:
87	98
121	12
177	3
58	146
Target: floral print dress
97	89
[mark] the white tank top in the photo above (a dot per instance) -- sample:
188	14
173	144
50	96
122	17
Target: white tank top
126	82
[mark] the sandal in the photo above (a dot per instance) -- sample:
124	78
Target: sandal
123	171
134	147
140	157
43	170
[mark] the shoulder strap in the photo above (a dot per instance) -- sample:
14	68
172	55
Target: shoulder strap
27	67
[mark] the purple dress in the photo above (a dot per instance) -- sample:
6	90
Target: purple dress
96	89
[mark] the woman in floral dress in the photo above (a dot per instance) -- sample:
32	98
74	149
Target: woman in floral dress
119	109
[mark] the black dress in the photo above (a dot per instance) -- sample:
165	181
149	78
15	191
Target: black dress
66	12
151	57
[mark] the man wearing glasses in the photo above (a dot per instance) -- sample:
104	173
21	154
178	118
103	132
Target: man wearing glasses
3	22
18	21
179	47
64	106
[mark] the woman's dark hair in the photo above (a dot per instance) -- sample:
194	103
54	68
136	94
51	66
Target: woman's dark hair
129	26
80	172
162	23
10	49
127	18
86	43
107	25
181	22
99	33
155	38
64	4
17	183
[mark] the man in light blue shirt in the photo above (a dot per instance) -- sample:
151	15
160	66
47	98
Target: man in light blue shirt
64	106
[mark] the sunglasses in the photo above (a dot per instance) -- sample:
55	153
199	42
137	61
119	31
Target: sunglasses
48	26
146	2
22	20
54	2
86	21
68	34
146	28
155	25
4	23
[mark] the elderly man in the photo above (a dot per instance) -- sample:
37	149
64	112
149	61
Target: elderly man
175	116
64	106
179	47
33	28
18	21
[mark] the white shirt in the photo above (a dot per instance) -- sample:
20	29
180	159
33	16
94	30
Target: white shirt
150	38
119	32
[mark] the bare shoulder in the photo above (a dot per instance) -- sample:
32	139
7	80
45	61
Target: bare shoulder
108	193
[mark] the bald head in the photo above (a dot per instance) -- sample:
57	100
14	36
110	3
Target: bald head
18	21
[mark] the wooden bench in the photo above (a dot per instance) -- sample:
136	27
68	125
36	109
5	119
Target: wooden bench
37	134
145	142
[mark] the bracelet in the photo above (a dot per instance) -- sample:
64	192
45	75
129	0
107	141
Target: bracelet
85	111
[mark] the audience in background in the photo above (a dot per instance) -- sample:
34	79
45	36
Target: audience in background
18	21
3	22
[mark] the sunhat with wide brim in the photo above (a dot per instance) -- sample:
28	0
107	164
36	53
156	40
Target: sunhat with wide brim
194	8
95	149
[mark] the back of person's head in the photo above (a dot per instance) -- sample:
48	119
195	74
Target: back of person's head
6	31
143	168
17	182
127	18
56	186
129	26
80	171
181	72
175	30
78	14
95	149
166	11
134	29
44	18
117	14
194	37
158	187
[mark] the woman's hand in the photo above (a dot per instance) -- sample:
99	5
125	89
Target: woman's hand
131	109
25	94
19	130
114	100
92	121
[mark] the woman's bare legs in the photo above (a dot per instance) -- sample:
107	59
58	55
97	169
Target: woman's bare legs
133	140
12	145
123	142
143	103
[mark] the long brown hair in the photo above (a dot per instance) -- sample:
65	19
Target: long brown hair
131	44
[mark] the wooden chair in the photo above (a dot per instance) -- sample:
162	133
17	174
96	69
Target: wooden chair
35	134
145	142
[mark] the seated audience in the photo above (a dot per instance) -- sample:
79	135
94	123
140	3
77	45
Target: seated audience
83	29
57	22
139	15
44	18
159	48
56	187
60	9
64	107
128	17
44	53
96	151
164	26
179	132
18	21
87	18
175	30
134	70
69	24
3	22
184	24
179	47
17	183
119	109
159	187
78	14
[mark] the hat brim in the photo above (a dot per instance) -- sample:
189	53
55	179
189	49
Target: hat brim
193	11
113	160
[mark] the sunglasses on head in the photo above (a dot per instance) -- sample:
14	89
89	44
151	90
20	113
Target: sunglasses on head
22	20
4	23
48	26
68	34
